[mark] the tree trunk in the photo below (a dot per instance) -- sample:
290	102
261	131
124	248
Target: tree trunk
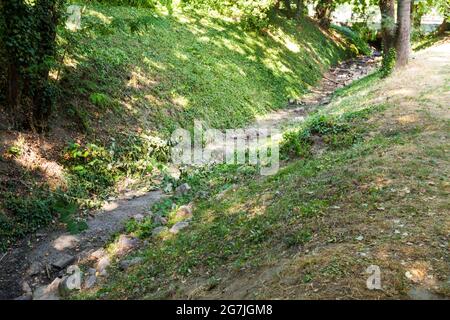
402	44
416	15
324	9
42	97
13	88
287	4
300	9
445	25
387	9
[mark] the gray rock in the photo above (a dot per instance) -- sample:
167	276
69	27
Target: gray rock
184	212
34	268
63	261
158	230
138	217
178	226
419	293
49	292
125	264
97	254
26	288
125	244
91	279
183	189
64	288
102	264
71	282
174	172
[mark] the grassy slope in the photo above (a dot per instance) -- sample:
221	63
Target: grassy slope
297	234
132	71
189	66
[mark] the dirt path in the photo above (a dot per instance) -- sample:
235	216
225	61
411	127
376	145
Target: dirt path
337	77
40	258
34	259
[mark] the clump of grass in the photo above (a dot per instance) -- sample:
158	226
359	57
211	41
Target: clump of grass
359	44
298	238
94	170
22	215
388	63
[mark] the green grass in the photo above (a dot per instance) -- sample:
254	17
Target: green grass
329	198
245	228
133	74
425	41
134	67
258	217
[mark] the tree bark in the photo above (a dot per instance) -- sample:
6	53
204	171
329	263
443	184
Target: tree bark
300	8
387	9
287	4
13	88
42	98
445	25
324	9
402	44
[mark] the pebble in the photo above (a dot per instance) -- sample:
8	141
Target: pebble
183	189
90	279
178	226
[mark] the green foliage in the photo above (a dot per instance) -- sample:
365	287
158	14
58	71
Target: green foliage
336	131
148	4
298	238
25	214
365	32
360	44
100	100
172	92
325	125
67	214
298	142
388	63
27	39
94	170
15	150
253	15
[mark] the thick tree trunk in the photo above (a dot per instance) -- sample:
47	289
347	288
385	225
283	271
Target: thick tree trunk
13	88
402	44
287	5
42	98
445	25
324	10
387	9
300	9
